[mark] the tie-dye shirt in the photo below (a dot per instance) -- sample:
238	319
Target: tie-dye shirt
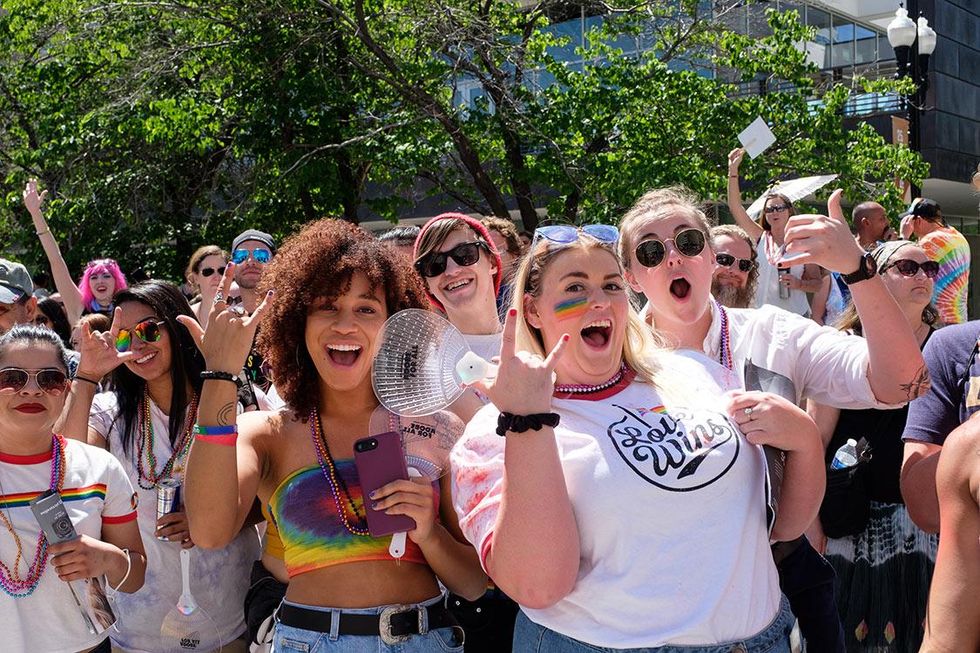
949	248
313	534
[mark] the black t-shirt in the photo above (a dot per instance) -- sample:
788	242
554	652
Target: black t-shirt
883	430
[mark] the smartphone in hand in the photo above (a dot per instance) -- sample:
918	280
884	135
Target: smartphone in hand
379	460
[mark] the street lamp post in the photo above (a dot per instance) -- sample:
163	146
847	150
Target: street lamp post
913	44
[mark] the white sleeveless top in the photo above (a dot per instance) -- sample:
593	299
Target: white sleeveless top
767	292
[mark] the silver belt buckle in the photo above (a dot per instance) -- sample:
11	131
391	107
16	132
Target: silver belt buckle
384	623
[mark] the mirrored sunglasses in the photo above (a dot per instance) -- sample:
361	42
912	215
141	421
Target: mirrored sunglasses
652	252
566	233
464	254
207	272
259	255
727	260
909	268
147	331
14	379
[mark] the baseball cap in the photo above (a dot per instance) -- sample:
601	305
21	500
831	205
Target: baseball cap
15	282
254	234
923	208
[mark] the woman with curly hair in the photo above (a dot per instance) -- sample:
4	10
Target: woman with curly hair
334	288
145	421
100	280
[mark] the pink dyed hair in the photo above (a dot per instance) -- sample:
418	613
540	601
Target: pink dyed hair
99	266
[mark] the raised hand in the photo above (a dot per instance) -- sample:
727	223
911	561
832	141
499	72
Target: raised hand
824	240
228	338
33	200
735	160
525	381
99	355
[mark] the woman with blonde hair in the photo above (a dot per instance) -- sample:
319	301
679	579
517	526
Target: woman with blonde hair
599	457
204	271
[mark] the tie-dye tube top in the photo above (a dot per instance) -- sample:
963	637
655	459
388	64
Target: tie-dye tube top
313	534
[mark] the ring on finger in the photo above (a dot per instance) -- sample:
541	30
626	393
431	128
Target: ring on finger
749	411
238	310
218	297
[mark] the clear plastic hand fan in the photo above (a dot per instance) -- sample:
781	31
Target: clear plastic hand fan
427	441
187	627
423	363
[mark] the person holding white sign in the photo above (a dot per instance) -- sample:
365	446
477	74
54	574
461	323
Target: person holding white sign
782	287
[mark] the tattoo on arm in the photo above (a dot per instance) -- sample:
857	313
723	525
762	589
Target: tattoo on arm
919	384
227	414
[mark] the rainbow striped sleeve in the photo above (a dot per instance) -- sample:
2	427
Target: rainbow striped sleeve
950	249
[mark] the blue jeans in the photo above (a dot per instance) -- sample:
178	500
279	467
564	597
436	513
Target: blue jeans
287	639
529	637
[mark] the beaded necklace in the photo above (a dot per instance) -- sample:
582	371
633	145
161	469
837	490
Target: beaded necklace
582	388
725	348
147	471
334	480
10	579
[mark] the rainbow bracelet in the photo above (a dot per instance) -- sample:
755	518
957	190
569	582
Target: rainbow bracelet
222	435
215	430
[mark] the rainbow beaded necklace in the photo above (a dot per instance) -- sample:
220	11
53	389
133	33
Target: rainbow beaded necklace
10	579
334	480
147	475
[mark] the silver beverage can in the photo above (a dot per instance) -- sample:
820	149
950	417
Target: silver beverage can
168	499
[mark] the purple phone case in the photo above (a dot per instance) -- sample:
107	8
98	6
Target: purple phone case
378	467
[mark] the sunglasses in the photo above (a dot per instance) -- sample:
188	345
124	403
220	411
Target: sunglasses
14	379
566	233
259	255
651	253
726	260
776	208
909	268
147	331
464	254
207	272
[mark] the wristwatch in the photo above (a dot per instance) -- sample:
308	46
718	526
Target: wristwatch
867	268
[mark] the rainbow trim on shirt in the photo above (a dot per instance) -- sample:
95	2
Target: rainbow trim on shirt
950	249
22	499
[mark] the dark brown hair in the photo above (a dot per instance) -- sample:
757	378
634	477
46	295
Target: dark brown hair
315	264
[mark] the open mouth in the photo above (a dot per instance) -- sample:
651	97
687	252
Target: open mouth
597	333
680	288
345	355
101	289
145	359
456	285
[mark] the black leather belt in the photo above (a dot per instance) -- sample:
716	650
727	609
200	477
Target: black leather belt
395	623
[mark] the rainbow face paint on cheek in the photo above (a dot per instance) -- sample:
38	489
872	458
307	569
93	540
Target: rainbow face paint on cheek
571	308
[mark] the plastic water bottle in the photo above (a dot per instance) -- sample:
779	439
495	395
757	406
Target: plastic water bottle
846	456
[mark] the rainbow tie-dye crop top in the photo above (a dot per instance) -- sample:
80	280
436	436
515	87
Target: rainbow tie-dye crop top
313	534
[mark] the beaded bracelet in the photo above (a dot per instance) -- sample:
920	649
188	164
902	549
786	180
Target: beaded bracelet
216	375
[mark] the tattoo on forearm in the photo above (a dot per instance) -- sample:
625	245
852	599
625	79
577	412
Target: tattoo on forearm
919	385
227	414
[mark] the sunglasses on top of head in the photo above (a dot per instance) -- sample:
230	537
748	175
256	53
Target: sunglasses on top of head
909	268
259	255
147	331
652	252
15	379
564	234
727	260
207	272
464	254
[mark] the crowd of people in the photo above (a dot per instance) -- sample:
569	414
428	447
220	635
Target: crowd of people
698	438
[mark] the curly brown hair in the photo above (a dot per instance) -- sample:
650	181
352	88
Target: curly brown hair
317	263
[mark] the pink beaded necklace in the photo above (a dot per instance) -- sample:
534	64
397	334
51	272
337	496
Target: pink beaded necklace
10	579
583	389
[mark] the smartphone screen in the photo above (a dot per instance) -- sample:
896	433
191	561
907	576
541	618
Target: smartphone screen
379	460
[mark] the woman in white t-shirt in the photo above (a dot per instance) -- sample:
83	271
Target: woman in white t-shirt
624	507
38	611
146	423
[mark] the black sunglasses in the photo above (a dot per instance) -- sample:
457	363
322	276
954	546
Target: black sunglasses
651	253
14	379
207	272
726	260
909	268
775	208
464	254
